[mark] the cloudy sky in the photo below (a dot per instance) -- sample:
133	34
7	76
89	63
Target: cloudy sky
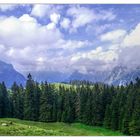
66	38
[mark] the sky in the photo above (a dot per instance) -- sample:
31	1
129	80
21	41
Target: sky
69	38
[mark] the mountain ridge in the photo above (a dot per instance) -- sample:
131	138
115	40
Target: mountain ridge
9	75
119	75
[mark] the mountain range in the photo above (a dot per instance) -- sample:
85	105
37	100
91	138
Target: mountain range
9	75
118	76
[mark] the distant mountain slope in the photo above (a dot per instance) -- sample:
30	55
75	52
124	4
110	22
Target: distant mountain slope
118	76
122	76
49	76
95	76
8	74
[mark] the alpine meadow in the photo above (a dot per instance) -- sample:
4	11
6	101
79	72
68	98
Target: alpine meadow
69	70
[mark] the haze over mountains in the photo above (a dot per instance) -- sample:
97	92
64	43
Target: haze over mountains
118	76
59	43
9	75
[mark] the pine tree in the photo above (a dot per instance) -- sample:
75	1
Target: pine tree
16	100
134	125
128	109
114	113
54	109
5	102
66	115
29	109
46	103
77	105
37	93
107	119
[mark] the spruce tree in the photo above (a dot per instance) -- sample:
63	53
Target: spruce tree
134	125
5	101
29	108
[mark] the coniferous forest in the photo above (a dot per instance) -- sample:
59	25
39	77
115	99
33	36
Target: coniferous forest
115	108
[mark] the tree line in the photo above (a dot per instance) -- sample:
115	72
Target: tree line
116	108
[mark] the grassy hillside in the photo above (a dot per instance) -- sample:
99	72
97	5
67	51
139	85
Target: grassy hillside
29	128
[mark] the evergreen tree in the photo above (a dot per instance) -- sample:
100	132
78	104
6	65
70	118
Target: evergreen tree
5	102
16	98
29	102
46	103
37	93
114	113
117	108
134	125
67	110
77	105
128	109
107	119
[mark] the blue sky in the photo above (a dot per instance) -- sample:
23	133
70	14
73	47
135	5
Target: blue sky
66	38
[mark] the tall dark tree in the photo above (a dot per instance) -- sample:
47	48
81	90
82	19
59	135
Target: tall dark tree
37	93
134	125
46	103
4	101
29	108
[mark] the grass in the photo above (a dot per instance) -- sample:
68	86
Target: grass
31	128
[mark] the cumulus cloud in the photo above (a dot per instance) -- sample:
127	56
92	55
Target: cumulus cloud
7	7
29	45
129	57
127	46
130	48
44	10
96	59
132	39
97	54
55	18
51	26
123	49
40	10
65	23
24	31
54	21
82	16
113	36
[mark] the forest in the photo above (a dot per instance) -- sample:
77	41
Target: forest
95	104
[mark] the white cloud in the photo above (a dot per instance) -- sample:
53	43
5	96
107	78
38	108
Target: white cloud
94	60
81	16
40	10
27	18
25	31
97	29
25	39
65	23
7	7
130	48
44	10
106	15
133	38
51	26
97	54
113	36
127	46
29	45
55	18
129	57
